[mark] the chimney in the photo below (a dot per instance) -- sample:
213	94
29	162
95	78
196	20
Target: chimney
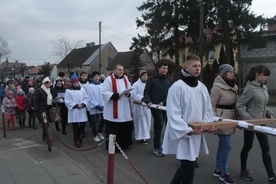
16	61
92	44
88	45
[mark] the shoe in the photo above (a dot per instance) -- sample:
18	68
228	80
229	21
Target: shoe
217	173
34	127
226	179
158	152
272	181
64	133
100	135
246	175
144	142
78	143
96	138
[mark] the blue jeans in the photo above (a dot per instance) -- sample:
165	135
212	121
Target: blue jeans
223	151
97	121
160	119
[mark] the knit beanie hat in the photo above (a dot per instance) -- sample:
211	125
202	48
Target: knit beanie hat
66	79
58	78
9	92
30	83
74	79
46	79
31	89
225	68
19	91
142	72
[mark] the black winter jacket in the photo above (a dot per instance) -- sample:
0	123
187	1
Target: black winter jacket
156	89
40	100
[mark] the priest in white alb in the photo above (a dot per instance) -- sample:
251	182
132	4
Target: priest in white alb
117	111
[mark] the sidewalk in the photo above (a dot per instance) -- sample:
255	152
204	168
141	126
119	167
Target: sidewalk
23	161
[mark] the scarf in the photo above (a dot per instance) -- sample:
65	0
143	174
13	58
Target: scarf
49	95
188	79
231	83
115	101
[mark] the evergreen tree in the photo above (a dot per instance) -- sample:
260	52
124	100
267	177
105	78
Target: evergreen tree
45	69
136	62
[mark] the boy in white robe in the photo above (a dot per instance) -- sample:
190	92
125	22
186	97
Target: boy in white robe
141	114
188	101
96	106
76	100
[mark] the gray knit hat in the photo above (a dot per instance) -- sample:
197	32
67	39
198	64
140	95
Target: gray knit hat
225	68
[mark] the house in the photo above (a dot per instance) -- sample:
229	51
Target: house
34	72
260	51
90	58
125	58
12	69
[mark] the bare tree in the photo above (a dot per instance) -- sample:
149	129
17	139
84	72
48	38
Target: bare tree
4	51
4	48
63	46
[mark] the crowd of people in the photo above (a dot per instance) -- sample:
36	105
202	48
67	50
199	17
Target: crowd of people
112	105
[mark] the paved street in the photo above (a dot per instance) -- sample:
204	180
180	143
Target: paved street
24	158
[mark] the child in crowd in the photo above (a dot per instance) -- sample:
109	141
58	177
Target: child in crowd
76	100
10	86
20	108
30	107
9	104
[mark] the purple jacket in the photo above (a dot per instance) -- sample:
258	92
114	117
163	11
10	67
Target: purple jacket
7	103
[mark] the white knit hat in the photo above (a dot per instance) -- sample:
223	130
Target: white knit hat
46	79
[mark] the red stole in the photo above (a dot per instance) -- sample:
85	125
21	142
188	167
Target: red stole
115	101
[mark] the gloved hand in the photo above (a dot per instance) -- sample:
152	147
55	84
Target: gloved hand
99	107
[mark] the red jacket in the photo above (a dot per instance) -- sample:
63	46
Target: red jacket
21	103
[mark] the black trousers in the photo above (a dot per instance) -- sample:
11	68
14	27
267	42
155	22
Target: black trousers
78	129
185	173
248	137
122	130
160	119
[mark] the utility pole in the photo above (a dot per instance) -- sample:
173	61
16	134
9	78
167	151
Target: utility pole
201	17
100	45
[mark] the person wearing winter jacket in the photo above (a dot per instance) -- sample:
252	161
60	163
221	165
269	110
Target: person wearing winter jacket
20	108
224	94
30	107
9	105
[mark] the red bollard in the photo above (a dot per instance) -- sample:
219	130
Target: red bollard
45	124
111	156
3	121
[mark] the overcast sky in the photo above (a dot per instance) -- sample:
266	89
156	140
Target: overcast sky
31	26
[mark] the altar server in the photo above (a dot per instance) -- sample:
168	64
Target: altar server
188	101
